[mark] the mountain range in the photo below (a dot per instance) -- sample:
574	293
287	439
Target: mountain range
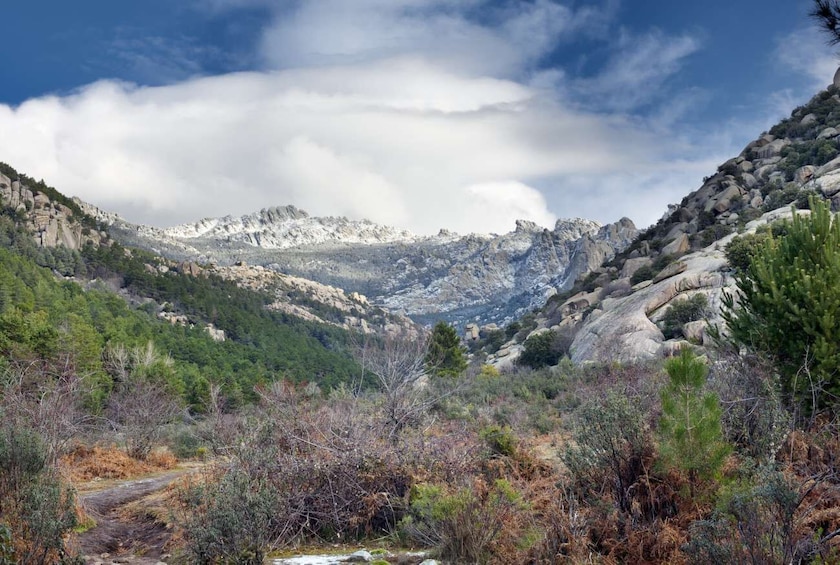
461	279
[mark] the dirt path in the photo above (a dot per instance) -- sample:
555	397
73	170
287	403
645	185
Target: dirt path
118	538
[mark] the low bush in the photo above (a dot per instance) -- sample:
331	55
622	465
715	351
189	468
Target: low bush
546	348
36	509
644	273
463	524
681	312
500	440
740	251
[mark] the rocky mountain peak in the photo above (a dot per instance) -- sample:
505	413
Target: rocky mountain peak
527	226
278	214
485	278
574	228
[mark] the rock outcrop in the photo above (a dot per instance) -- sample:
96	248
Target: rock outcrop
52	224
316	302
617	311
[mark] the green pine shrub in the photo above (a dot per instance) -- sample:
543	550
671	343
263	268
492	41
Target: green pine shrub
789	306
690	434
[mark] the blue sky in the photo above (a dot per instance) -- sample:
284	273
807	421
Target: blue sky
425	114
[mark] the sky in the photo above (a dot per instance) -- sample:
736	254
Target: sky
422	114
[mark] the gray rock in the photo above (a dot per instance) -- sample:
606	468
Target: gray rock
471	332
808	119
695	331
673	348
829	184
632	265
832	165
641	285
804	174
360	556
680	245
828	133
670	271
725	199
772	149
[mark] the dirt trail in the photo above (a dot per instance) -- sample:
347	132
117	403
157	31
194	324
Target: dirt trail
117	538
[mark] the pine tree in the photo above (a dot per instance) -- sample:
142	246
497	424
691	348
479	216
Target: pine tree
446	356
690	432
789	305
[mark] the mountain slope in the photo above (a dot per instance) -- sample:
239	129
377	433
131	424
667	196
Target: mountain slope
619	311
79	293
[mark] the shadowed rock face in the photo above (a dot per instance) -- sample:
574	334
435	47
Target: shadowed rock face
482	278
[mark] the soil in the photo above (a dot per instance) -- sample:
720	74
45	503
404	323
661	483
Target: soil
125	537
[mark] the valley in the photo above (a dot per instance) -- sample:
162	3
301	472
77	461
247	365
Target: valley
279	387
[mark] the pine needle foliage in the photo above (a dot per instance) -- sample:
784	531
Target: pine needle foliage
691	438
446	356
789	305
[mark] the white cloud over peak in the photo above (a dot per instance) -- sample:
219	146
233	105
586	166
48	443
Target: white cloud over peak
398	142
804	52
424	114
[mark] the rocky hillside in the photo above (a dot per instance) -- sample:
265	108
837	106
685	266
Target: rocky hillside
457	278
52	220
59	223
621	310
317	302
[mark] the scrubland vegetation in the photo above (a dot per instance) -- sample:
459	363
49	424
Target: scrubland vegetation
311	436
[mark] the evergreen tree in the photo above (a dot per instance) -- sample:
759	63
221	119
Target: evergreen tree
789	305
690	432
827	14
446	357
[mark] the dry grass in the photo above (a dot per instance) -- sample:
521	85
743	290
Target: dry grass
86	463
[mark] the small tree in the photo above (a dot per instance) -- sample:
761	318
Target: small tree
789	305
690	430
445	357
398	363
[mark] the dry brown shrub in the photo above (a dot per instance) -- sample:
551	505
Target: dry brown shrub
162	458
85	463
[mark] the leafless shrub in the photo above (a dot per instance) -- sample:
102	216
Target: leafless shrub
48	400
332	469
142	401
400	369
754	416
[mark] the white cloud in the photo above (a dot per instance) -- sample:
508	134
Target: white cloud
406	112
507	41
399	142
804	51
637	70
